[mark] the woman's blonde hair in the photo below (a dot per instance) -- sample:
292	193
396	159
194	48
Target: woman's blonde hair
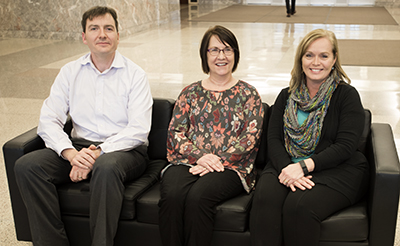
297	73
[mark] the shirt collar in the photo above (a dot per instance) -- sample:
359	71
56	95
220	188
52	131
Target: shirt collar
117	62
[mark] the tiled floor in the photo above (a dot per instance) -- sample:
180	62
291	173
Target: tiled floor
169	54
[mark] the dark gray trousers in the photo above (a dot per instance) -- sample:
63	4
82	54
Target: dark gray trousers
39	172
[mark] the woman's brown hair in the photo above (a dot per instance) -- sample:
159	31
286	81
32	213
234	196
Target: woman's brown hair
226	37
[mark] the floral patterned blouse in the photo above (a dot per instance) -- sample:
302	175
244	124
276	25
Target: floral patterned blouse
225	123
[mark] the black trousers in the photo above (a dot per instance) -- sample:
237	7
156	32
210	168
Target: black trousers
280	216
187	204
290	8
39	172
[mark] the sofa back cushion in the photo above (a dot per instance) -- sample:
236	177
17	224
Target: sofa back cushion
262	154
367	130
162	113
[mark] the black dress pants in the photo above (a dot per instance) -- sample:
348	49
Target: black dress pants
290	8
187	204
279	215
39	172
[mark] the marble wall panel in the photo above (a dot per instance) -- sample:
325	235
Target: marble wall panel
60	19
219	2
388	3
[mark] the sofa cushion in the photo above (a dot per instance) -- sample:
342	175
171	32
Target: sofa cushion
232	215
347	225
75	197
147	205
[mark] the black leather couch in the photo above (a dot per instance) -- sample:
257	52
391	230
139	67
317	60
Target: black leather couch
372	221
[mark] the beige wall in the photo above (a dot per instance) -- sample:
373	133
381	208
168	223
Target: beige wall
60	19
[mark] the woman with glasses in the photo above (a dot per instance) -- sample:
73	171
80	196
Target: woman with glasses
212	143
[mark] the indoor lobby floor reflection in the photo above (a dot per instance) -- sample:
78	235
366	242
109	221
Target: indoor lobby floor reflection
170	56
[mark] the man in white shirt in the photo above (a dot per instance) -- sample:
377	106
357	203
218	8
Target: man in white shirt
108	99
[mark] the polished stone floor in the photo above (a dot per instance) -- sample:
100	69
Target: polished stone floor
169	54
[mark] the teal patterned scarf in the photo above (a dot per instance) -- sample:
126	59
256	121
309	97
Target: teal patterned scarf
301	140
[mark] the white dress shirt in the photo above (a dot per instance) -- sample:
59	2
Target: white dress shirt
113	107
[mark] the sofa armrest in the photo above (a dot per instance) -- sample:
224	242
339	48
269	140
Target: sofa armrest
19	146
12	150
383	197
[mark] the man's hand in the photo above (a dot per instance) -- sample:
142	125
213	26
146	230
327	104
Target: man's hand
78	174
96	150
82	162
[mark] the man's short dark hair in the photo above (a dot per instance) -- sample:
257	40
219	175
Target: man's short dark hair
225	36
98	11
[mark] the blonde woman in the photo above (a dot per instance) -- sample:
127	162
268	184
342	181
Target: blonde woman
315	168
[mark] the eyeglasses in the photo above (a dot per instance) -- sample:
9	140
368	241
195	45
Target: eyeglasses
215	51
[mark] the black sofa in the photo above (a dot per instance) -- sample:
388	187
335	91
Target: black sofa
372	221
